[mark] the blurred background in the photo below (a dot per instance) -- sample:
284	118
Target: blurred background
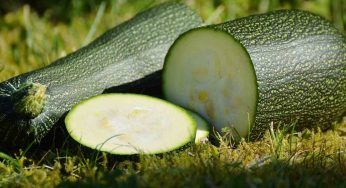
35	33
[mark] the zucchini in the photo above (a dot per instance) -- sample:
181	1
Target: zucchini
31	103
298	73
202	131
127	124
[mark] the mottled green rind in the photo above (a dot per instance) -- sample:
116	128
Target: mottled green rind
124	54
300	64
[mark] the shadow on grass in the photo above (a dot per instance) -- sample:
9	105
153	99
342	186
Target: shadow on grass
166	171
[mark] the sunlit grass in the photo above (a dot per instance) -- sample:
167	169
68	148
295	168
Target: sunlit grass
283	158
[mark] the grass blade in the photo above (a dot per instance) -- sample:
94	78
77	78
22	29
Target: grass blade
93	27
11	160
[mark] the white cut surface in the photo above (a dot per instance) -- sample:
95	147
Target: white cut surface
209	72
202	132
130	124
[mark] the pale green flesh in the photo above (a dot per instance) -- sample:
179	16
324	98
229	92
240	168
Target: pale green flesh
202	132
209	72
130	124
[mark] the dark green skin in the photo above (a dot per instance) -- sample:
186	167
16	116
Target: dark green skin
125	54
300	64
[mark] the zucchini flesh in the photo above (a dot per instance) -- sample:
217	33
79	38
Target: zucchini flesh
214	77
128	124
134	51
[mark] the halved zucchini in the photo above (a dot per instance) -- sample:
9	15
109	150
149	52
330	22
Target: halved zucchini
208	71
130	124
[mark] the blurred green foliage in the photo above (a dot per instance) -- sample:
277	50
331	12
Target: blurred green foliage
65	10
34	33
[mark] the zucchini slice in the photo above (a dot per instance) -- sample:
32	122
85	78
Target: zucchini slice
203	129
128	124
210	72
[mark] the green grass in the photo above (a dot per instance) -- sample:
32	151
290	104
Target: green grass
299	159
284	158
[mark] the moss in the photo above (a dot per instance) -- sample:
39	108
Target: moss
295	160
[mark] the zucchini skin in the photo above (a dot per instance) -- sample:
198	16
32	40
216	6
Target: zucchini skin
300	64
132	51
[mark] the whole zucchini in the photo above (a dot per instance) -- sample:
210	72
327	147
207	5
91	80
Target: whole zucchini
31	103
297	74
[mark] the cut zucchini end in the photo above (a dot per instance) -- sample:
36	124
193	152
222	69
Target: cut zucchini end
208	71
203	129
127	124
